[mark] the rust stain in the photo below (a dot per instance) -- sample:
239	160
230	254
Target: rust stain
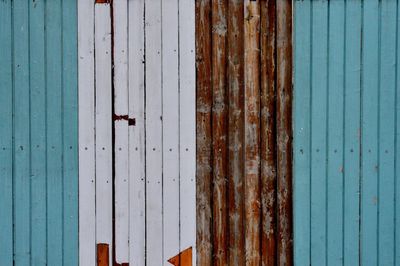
131	121
103	258
120	117
182	259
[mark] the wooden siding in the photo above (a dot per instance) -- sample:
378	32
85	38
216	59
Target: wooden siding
137	132
243	51
39	133
345	132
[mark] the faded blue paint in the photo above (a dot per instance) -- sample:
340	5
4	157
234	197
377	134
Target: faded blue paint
38	135
345	132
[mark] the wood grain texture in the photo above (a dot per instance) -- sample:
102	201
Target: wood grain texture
235	87
219	130
241	59
268	132
284	131
203	133
252	132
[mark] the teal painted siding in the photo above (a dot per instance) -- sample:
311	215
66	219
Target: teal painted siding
346	128
38	133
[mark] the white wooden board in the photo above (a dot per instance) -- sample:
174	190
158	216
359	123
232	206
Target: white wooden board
87	222
103	95
137	175
121	151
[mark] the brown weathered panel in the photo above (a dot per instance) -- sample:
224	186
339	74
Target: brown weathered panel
102	255
235	84
284	131
203	135
252	131
244	73
267	132
219	131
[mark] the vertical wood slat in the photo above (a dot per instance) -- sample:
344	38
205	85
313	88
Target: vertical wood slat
235	68
70	133
54	43
397	145
352	109
318	131
386	133
335	136
252	131
268	131
21	108
121	137
284	131
103	120
153	98
87	188
203	133
170	111
137	212
38	132
369	131
219	131
187	127
302	133
6	131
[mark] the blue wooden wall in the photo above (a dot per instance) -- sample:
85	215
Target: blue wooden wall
38	133
346	132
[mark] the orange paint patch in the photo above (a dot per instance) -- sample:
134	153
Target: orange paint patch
102	255
182	259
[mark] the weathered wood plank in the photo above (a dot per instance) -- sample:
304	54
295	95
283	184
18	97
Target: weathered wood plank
219	131
268	132
235	87
284	131
203	133
252	131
